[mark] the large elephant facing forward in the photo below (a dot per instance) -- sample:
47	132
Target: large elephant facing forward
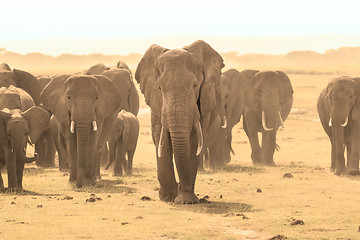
268	101
339	111
86	108
181	86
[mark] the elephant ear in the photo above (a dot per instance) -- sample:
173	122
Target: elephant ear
38	120
110	101
29	83
53	98
286	87
146	74
356	109
211	64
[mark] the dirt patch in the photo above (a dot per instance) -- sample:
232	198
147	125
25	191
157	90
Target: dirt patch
217	207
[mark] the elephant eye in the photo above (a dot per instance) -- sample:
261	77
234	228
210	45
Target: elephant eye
195	84
9	135
68	97
26	134
97	97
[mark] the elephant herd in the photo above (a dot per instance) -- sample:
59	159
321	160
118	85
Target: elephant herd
91	115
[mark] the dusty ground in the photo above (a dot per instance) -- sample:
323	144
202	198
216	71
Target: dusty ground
327	205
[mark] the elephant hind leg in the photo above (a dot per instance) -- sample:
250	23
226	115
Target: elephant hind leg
130	155
119	159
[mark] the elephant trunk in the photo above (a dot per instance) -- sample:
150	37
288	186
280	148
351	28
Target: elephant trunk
83	135
20	151
339	116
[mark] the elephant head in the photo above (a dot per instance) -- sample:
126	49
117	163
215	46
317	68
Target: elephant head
271	90
21	127
81	104
342	101
181	86
20	79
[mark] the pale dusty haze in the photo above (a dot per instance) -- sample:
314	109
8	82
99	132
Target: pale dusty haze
123	27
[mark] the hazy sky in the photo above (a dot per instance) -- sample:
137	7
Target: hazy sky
50	26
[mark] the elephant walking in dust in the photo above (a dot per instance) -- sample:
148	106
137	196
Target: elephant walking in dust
21	123
339	111
85	108
268	102
124	138
182	88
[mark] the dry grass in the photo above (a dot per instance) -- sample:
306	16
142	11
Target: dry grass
328	205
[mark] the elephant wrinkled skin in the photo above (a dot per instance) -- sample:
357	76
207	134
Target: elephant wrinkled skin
339	111
85	108
182	88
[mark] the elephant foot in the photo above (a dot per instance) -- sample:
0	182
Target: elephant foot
12	189
332	169
353	172
168	194
186	197
89	180
339	172
270	163
117	174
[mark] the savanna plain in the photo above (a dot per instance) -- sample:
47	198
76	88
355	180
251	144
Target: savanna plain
241	202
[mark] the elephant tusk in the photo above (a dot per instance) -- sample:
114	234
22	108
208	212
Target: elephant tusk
264	122
330	122
107	145
161	144
281	120
199	137
346	122
225	122
72	125
12	150
94	126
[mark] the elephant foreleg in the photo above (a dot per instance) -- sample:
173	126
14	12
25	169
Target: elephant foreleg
165	171
353	159
268	147
19	173
11	169
1	180
63	157
333	156
251	132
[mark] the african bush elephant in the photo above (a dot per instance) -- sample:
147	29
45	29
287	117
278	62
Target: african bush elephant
86	109
123	80
231	109
20	120
182	88
124	138
268	101
339	111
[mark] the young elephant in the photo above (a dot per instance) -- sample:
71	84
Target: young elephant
339	111
123	140
23	123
